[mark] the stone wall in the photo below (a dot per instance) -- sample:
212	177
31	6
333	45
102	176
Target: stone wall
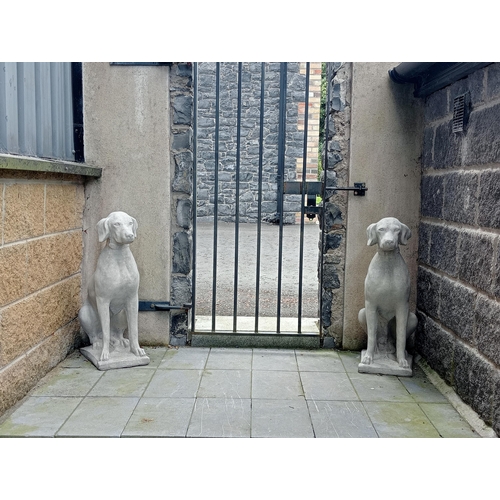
459	252
335	207
40	278
250	130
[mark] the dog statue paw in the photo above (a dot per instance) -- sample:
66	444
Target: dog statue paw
386	317
111	307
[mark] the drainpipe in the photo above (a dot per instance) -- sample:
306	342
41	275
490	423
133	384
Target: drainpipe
408	72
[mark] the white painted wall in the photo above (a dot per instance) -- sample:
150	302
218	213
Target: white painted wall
127	133
385	148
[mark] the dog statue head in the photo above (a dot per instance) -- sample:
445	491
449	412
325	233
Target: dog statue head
388	233
119	227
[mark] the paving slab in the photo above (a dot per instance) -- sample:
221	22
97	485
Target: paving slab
274	359
125	382
220	418
350	360
371	387
229	359
173	384
225	384
39	417
160	417
76	382
156	355
340	419
276	385
187	358
421	390
319	361
328	386
400	420
281	419
99	417
447	421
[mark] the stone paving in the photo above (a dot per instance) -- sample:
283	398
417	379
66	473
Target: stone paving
216	392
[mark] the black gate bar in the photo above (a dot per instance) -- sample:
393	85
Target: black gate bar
193	209
303	198
216	193
281	172
237	206
259	204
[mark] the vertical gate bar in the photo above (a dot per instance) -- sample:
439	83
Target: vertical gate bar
237	207
323	201
303	196
281	173
193	210
259	207
216	191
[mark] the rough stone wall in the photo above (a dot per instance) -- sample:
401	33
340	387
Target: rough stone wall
181	98
459	252
40	277
335	207
250	129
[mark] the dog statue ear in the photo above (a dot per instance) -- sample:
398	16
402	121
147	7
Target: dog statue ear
371	234
103	229
134	226
404	234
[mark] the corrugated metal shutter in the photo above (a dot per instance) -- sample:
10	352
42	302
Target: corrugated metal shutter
36	109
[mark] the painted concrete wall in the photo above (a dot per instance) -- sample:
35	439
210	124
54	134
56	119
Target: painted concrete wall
127	133
385	148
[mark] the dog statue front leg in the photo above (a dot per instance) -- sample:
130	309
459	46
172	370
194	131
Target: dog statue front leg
371	331
401	333
103	311
133	328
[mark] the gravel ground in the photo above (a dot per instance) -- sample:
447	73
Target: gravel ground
247	260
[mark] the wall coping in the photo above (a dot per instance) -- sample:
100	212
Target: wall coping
31	164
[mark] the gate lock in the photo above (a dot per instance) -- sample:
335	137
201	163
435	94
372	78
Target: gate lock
312	189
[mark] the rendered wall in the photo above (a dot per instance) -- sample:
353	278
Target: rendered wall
459	258
127	134
40	259
385	148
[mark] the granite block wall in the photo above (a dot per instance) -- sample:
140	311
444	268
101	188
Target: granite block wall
40	276
459	252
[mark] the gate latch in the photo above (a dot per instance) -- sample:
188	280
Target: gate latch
161	306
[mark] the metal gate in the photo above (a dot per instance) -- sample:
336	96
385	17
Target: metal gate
251	152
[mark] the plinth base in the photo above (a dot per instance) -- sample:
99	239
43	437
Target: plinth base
384	365
119	357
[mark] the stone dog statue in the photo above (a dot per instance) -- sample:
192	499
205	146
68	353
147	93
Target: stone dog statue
111	306
386	317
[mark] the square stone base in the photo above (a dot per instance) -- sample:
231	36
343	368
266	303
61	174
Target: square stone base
385	366
119	357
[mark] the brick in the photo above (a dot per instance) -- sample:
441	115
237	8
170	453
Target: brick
424	242
63	208
473	380
489	199
436	105
432	196
53	258
487	333
493	85
428	291
477	270
427	148
457	310
447	146
443	249
24	211
13	275
460	198
482	136
436	346
27	322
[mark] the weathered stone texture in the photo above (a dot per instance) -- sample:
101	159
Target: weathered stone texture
13	276
443	249
447	147
489	199
63	207
475	259
483	146
460	198
432	190
428	291
24	211
436	106
487	333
